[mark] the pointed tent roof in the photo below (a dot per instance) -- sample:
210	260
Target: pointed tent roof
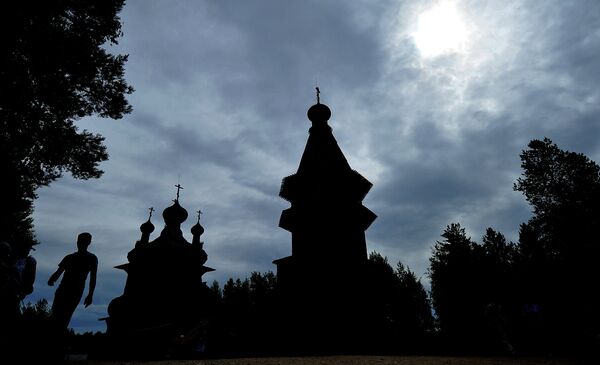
324	159
324	172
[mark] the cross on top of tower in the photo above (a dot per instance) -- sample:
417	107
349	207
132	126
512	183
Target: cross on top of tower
179	187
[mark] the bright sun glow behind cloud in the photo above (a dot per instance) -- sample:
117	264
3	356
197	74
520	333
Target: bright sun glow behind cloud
441	30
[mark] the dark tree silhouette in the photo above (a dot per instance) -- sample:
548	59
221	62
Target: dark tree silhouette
401	310
54	69
497	264
415	311
454	272
37	311
497	284
559	248
537	295
30	332
554	180
384	303
216	291
245	322
472	288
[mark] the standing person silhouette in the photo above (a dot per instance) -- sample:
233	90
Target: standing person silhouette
76	267
24	267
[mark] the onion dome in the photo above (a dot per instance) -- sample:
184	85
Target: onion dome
147	227
175	214
319	113
197	229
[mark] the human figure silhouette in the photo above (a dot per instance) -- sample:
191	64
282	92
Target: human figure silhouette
23	270
17	275
76	268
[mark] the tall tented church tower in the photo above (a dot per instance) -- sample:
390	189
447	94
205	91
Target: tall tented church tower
322	279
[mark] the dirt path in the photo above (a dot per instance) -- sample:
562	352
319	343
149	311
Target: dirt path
355	360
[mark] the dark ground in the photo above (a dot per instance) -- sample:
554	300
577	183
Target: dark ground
355	360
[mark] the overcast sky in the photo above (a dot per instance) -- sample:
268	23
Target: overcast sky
432	101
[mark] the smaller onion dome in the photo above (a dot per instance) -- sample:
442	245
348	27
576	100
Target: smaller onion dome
175	214
197	229
147	227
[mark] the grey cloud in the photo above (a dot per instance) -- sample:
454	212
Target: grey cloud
222	93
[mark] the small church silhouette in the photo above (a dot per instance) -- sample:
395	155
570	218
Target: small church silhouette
164	299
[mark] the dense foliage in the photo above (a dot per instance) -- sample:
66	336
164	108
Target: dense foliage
471	287
55	68
401	310
559	245
535	295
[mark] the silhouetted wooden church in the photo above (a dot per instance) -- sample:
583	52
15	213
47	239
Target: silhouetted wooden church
164	296
323	280
327	218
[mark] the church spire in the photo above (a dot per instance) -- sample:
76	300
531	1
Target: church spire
323	282
326	196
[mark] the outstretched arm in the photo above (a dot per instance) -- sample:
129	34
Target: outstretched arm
55	276
88	299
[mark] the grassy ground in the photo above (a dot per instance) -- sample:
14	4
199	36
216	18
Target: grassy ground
356	360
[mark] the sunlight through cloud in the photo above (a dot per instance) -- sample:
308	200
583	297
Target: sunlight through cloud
441	29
